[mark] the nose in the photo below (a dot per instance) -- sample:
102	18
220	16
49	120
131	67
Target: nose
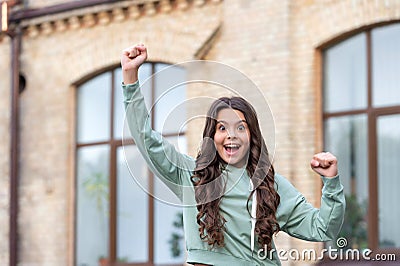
231	134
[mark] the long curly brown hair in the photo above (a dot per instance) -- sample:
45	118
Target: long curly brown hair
209	166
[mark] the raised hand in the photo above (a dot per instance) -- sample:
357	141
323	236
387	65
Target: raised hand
325	164
132	58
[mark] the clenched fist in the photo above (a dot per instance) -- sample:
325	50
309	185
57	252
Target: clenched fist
325	164
132	58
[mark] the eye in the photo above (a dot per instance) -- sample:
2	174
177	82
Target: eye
221	127
241	127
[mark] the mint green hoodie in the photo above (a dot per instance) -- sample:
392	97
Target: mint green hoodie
295	216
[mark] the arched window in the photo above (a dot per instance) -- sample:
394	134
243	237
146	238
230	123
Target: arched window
361	111
116	220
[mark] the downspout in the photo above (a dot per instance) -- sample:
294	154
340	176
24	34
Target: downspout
15	36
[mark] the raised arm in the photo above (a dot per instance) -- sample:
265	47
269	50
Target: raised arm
299	218
161	156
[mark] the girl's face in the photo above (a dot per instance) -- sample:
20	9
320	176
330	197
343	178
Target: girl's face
232	137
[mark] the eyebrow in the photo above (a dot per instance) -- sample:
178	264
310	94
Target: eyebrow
222	121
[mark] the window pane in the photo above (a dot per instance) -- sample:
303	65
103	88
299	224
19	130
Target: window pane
386	65
119	107
92	205
169	245
94	111
146	83
119	111
169	240
132	206
346	137
170	109
388	129
345	75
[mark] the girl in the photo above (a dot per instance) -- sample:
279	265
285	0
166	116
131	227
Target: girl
239	200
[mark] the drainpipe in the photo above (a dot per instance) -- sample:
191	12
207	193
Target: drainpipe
15	36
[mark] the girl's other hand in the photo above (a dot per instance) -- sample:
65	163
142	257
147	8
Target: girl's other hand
324	164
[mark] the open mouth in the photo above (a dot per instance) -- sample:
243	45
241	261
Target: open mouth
231	149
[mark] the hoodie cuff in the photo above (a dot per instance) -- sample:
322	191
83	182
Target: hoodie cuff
331	183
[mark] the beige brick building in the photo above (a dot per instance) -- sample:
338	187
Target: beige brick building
278	45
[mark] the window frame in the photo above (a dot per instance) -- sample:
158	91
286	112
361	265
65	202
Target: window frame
115	143
372	113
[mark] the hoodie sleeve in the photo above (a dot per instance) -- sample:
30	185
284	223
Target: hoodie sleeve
300	219
161	156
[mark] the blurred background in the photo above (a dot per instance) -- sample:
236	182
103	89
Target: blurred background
329	70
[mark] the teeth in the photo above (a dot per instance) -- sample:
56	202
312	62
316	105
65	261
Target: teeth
232	146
